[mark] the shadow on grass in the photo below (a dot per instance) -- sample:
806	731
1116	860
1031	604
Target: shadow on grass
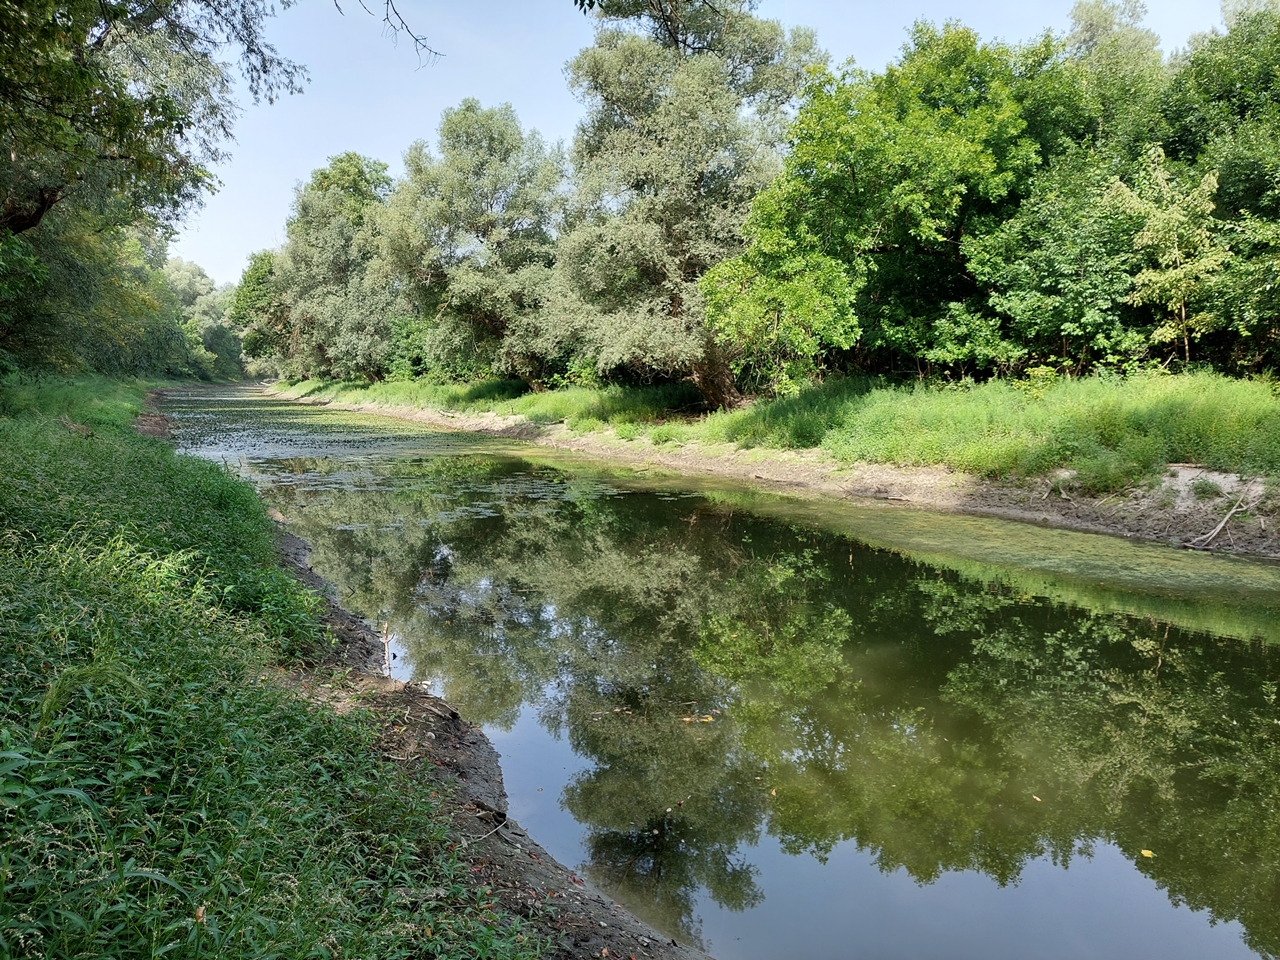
796	422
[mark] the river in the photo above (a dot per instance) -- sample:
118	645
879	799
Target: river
780	727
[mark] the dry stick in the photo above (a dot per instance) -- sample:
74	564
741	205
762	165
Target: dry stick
386	649
1199	543
466	841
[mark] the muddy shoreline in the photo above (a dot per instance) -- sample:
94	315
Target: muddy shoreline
425	735
1191	508
428	738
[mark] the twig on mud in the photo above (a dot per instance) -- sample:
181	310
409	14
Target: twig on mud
1110	496
469	840
1200	543
438	712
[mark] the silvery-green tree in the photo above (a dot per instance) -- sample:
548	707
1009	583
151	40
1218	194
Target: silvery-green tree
686	104
339	302
469	232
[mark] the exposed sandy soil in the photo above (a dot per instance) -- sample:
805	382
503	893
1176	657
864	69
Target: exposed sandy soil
1185	509
149	423
426	735
152	425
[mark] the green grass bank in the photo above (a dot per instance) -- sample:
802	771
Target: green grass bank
1112	431
159	793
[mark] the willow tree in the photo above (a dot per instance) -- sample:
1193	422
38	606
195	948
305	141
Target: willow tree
339	306
684	114
470	232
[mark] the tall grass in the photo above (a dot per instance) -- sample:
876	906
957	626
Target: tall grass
1111	431
95	402
157	796
581	407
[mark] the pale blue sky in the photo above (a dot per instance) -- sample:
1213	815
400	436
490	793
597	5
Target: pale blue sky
370	95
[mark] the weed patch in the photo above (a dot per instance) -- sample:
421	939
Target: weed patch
1112	432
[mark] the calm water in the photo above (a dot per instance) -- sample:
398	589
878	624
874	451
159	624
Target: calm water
781	728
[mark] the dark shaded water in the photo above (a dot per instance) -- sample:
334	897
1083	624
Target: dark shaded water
763	729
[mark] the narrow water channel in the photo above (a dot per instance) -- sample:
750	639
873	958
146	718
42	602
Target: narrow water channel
782	728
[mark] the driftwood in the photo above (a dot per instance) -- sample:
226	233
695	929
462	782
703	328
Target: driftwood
1202	542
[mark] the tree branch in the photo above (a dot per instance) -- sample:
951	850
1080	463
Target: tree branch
396	25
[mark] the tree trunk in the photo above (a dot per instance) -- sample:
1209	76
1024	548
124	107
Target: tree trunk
714	380
19	216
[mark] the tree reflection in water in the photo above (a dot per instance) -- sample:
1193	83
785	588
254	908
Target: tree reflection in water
726	676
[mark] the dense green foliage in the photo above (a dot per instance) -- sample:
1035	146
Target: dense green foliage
470	232
339	310
111	114
1071	204
739	216
159	793
490	261
79	293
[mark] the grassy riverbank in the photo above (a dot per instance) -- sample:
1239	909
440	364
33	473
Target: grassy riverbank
159	793
1111	432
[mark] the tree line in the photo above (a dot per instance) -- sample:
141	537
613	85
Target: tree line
734	212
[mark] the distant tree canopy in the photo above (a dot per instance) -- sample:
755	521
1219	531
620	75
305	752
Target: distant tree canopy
504	262
734	213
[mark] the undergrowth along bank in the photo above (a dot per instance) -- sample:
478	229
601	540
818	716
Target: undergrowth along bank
159	793
1110	431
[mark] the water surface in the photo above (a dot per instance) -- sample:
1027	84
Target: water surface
786	728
